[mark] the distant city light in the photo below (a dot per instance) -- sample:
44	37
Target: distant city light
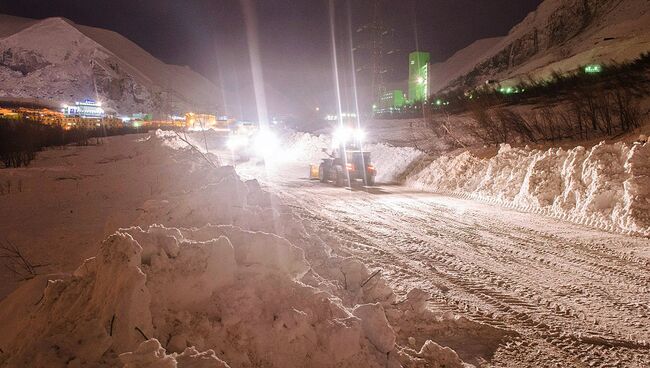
593	68
508	90
87	109
343	115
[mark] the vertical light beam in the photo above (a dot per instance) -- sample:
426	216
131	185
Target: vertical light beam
250	18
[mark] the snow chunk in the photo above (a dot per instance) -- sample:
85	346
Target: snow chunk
150	354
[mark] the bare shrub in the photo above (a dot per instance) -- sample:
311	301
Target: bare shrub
488	129
627	109
17	263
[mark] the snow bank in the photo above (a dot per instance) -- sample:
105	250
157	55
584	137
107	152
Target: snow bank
151	354
237	294
232	278
391	162
607	186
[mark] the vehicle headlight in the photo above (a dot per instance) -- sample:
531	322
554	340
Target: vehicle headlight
344	135
341	135
359	135
266	143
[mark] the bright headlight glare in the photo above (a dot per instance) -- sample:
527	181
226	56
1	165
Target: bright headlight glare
235	142
266	143
359	135
344	135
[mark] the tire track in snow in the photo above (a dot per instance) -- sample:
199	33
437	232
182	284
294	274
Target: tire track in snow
533	281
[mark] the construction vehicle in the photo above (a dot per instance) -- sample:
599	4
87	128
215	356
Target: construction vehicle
347	163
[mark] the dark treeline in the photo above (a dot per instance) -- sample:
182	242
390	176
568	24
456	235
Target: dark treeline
20	139
584	114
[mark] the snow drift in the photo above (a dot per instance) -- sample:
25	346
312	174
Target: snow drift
236	295
225	276
606	186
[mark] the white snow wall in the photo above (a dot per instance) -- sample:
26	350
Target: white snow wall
607	186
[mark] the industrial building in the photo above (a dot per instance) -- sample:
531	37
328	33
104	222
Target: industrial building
418	86
389	101
418	76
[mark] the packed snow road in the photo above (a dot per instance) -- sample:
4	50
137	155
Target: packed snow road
573	296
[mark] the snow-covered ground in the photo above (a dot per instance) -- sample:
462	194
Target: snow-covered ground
158	259
556	285
606	186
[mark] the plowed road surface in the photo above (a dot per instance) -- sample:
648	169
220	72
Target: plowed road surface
577	297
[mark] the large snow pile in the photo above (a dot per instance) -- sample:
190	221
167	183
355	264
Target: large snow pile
391	162
236	293
606	186
225	276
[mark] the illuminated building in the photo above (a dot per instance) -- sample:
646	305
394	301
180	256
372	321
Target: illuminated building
195	121
419	76
389	101
87	109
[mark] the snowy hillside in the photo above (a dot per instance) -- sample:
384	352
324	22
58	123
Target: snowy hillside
560	35
59	61
460	63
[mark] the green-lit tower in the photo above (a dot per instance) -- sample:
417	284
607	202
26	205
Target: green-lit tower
418	76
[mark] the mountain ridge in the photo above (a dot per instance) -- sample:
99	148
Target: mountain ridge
55	59
560	35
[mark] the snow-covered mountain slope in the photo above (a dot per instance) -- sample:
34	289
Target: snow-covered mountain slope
57	60
559	36
460	63
10	24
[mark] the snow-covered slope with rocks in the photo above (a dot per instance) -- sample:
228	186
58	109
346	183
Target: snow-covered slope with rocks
58	61
559	36
460	63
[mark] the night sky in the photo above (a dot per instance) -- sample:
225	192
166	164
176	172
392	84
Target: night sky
209	36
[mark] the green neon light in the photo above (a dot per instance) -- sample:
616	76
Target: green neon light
593	68
508	90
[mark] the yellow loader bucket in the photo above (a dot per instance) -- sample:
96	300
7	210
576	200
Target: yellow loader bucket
313	172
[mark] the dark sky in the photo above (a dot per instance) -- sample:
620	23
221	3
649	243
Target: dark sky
209	36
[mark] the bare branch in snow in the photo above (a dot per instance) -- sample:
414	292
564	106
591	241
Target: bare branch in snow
370	278
141	333
17	263
198	150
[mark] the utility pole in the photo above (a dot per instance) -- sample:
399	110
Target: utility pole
373	37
